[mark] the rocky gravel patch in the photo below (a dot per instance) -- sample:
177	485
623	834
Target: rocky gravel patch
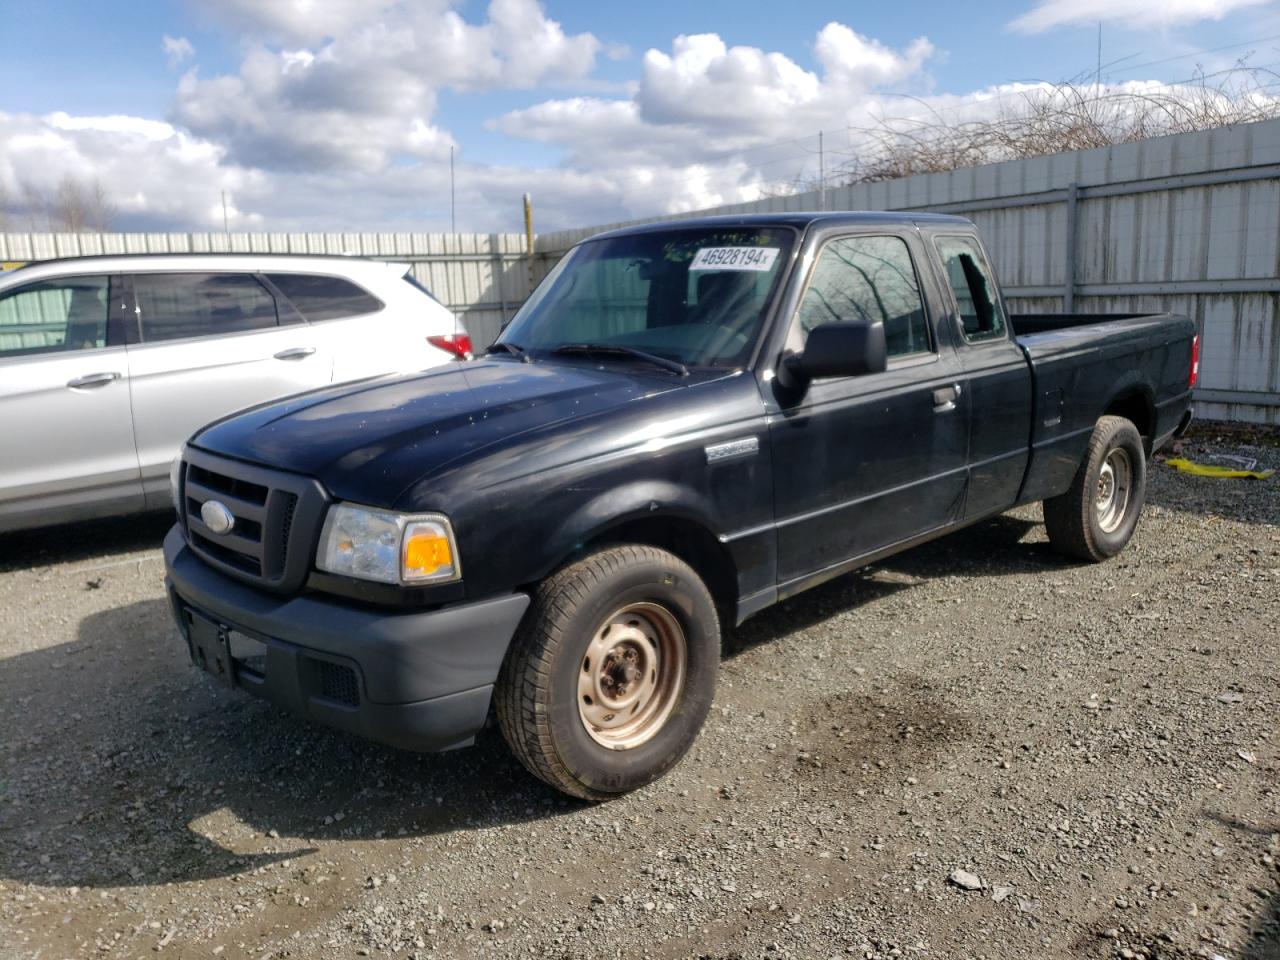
974	749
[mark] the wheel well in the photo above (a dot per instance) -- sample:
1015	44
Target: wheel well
1136	407
691	542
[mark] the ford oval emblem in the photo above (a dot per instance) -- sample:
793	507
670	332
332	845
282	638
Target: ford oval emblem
217	517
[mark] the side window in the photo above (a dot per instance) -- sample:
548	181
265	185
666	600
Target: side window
172	306
868	279
975	293
324	298
69	313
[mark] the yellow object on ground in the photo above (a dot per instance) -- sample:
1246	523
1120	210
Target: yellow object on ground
1211	470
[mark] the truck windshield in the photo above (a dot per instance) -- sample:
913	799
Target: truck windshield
697	297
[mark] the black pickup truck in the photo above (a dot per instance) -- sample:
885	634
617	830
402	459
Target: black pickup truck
685	423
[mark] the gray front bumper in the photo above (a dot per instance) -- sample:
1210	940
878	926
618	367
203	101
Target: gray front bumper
422	680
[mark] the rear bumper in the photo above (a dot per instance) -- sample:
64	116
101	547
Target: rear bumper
414	680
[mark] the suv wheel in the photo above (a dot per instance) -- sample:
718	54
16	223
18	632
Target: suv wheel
613	673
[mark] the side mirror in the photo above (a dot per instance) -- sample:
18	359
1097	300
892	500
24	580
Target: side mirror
844	349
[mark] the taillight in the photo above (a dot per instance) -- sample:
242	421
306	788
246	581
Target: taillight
458	344
1194	375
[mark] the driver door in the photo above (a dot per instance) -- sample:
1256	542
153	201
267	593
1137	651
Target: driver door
865	463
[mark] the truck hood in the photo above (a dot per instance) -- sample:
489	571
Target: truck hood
393	431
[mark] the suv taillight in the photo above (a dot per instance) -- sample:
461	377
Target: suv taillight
458	344
1194	374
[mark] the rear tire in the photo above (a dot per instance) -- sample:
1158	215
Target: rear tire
613	672
1096	517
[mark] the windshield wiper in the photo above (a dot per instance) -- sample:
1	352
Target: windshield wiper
618	350
514	349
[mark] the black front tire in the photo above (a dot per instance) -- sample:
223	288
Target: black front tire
538	690
1083	523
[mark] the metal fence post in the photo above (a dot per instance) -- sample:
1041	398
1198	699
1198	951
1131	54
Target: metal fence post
1069	267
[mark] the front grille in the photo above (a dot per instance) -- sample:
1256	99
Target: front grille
338	683
234	487
276	519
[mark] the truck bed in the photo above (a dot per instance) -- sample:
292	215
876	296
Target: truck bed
1031	323
1077	358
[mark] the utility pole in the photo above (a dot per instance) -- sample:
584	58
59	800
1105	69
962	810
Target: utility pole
453	205
528	236
1097	74
822	175
226	228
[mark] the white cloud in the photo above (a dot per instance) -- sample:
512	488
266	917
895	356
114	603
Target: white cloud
330	122
1138	14
294	22
702	123
335	127
357	84
717	87
176	49
157	176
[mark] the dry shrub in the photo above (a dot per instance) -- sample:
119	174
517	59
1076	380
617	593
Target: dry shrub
1055	118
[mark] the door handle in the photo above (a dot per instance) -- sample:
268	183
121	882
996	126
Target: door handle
92	380
295	353
944	398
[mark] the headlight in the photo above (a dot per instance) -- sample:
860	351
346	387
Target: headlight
174	469
388	547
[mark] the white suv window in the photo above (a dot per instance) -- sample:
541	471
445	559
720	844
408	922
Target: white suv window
69	313
173	306
324	298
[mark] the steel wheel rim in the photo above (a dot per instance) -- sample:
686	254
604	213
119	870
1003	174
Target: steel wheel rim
1115	483
631	675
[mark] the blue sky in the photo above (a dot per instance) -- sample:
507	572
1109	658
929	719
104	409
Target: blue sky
312	113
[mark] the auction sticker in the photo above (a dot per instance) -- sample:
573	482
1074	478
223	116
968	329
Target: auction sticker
734	258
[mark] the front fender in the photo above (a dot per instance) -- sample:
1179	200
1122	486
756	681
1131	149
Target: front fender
626	504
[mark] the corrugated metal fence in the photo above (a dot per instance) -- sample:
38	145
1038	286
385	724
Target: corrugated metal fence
1189	223
484	277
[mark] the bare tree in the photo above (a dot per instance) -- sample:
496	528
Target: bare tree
35	205
80	206
1048	119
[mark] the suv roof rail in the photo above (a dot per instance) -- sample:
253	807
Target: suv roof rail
201	253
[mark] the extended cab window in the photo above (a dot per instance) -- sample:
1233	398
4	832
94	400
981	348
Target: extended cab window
866	279
975	293
324	298
173	306
69	313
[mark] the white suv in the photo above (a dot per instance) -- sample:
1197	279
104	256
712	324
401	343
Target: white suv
108	363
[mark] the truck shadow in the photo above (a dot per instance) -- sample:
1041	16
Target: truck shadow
123	766
1263	941
993	548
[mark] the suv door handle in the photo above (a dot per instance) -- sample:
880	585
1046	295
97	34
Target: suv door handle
295	353
944	398
92	380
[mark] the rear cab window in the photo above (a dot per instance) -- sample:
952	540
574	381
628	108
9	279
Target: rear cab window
870	279
318	297
969	276
55	316
179	306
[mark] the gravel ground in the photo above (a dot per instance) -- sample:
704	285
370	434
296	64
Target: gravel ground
972	750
